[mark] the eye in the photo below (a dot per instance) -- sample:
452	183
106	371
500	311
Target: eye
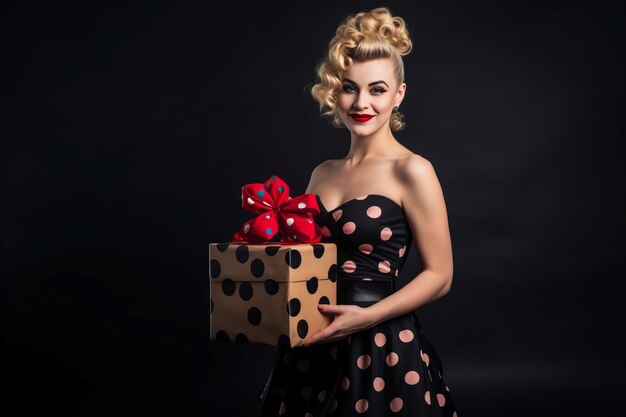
348	88
378	90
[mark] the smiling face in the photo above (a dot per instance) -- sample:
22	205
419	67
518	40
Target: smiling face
369	91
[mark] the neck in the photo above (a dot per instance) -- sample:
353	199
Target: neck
379	143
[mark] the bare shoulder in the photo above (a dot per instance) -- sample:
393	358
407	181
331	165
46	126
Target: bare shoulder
319	170
319	173
326	168
414	168
325	165
419	181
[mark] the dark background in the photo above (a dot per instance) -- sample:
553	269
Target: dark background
128	131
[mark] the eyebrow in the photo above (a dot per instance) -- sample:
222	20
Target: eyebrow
370	84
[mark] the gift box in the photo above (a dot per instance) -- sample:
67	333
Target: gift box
268	293
265	291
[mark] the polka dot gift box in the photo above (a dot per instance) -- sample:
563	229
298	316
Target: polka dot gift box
266	291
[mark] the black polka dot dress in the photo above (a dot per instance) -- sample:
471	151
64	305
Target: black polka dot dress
388	370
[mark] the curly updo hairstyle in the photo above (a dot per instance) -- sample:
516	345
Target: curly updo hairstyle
360	37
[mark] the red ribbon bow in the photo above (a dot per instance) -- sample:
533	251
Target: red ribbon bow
278	213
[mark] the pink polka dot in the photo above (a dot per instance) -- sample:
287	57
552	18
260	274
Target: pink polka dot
396	404
306	393
361	406
412	378
361	197
363	361
454	414
325	231
348	266
321	396
366	248
378	384
386	233
402	251
302	365
349	228
345	384
384	267
337	214
425	357
333	406
427	397
392	359
374	212
441	399
406	335
282	409
380	339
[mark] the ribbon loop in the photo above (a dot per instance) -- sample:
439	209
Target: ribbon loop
278	213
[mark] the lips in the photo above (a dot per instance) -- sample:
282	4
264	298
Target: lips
361	117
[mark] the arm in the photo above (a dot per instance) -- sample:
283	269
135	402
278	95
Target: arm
427	216
426	213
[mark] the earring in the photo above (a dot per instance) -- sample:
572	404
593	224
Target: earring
395	109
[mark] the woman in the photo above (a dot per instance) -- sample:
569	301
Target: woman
373	359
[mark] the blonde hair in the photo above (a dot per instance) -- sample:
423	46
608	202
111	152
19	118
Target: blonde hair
361	37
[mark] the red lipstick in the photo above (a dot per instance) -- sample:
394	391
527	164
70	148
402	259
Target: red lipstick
361	118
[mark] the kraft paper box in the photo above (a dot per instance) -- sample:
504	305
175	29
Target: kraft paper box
268	293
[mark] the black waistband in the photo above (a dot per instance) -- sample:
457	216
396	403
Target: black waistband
363	293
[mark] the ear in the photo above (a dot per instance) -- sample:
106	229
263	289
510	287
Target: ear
400	94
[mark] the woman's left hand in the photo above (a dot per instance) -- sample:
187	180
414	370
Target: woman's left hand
347	319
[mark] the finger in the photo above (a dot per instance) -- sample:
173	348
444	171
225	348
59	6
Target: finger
317	337
324	334
331	309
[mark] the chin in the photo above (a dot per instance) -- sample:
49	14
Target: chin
362	130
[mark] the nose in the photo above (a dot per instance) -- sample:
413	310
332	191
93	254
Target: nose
361	102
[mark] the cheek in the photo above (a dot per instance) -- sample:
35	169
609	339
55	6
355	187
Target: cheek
344	102
384	105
